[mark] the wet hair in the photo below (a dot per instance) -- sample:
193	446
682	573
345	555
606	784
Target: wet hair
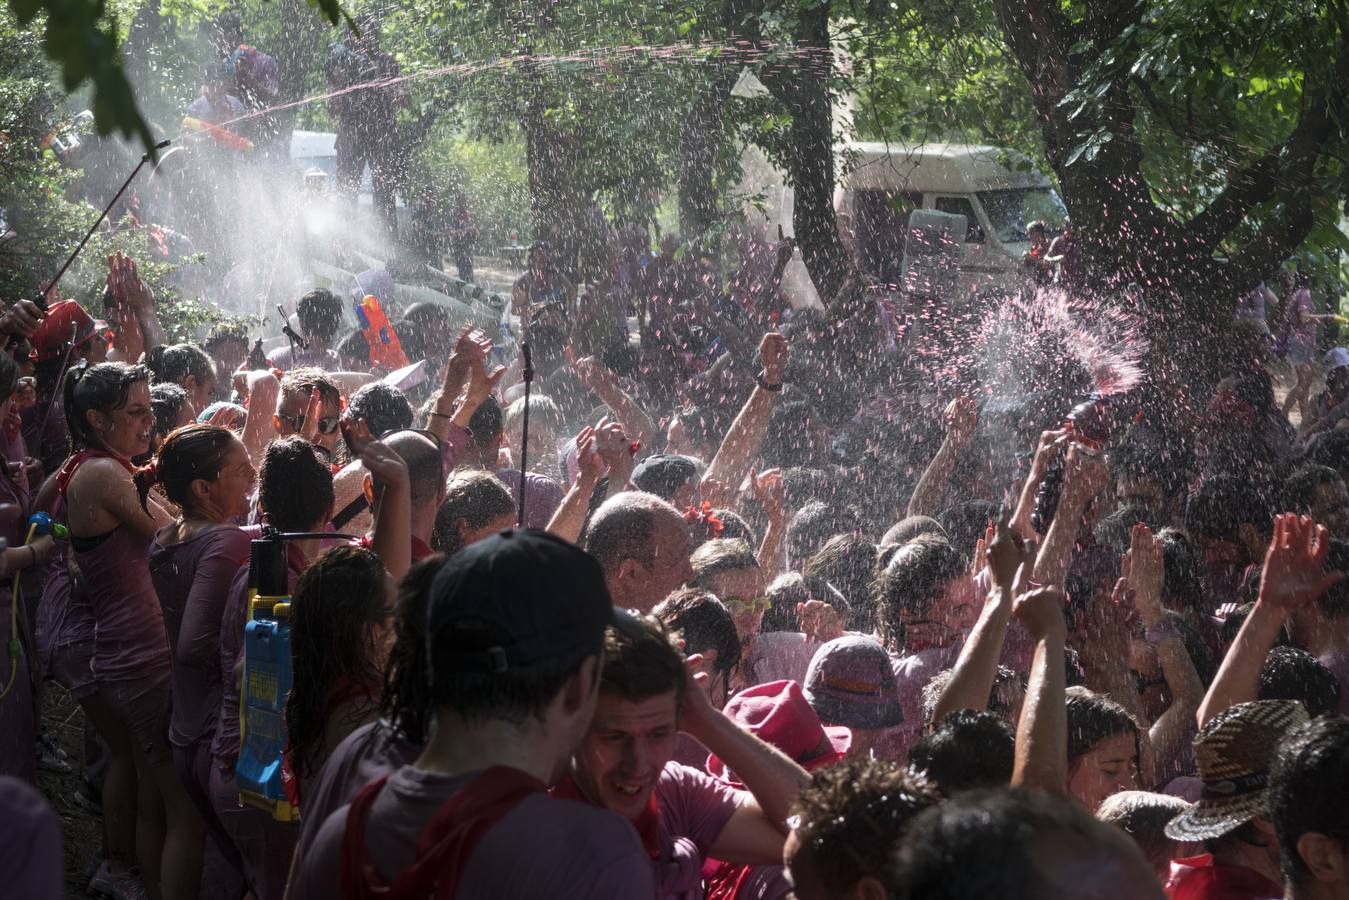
703	623
812	527
966	522
1222	504
353	349
624	527
639	668
1308	783
789	436
705	426
791	588
383	406
733	526
225	333
1330	448
1116	530
473	499
543	411
306	379
190	453
166	402
1092	718
103	388
850	818
426	315
912	580
1143	816
1182	588
1293	674
335	601
1299	489
911	527
425	463
175	363
320	314
486	425
1003	679
848	562
719	557
1002	828
295	487
406	702
969	749
1334	601
1135	460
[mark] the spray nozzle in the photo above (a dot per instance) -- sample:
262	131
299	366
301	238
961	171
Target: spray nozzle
41	523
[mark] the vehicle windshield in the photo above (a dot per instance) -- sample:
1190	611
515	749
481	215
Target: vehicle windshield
1009	211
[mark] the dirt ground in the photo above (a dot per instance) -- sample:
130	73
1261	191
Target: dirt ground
81	831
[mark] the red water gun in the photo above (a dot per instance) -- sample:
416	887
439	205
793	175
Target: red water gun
386	352
219	135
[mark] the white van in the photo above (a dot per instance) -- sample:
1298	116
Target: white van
998	191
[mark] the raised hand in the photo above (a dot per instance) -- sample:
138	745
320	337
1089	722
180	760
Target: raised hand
309	428
1084	473
1007	553
588	461
384	465
1051	444
961	418
1145	574
767	489
819	621
127	285
611	443
1041	611
1294	572
471	350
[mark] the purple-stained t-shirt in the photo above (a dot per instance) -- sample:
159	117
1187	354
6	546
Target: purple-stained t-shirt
193	579
780	656
694	807
912	673
129	636
544	495
64	617
544	847
1338	664
30	843
371	751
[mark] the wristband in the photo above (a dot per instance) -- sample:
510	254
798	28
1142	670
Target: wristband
440	415
763	383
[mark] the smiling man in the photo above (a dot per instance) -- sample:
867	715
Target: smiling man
683	815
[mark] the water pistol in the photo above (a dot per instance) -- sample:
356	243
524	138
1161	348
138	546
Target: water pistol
41	523
386	352
219	135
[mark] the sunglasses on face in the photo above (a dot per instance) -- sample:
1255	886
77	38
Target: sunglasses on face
750	605
327	424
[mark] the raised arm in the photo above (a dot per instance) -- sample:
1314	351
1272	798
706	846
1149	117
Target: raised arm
131	292
767	488
746	433
570	516
1042	731
1084	476
391	536
593	374
1146	575
1050	446
977	668
1293	576
471	348
260	389
961	418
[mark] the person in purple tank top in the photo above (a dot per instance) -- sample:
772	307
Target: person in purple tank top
109	417
205	471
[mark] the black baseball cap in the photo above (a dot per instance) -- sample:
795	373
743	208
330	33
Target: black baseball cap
517	599
664	474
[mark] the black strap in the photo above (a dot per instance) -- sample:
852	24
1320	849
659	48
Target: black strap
351	511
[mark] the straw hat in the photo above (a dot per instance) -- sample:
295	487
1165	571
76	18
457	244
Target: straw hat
1234	752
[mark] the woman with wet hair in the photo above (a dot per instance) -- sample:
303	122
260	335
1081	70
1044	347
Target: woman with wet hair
205	471
187	366
338	646
111	521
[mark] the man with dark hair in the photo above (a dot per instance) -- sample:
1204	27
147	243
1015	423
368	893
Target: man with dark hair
1308	787
684	815
1018	845
1319	492
515	628
320	316
384	407
479	448
812	527
1293	674
846	825
642	543
674	479
1231	523
969	749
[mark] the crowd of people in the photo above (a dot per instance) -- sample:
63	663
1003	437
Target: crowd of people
687	612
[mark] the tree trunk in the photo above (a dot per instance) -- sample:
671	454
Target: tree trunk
699	142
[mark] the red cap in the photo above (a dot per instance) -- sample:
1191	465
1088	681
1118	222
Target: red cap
777	713
54	335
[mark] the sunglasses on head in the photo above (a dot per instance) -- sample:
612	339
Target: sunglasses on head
327	424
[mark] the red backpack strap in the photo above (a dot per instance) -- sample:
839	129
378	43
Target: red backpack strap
357	872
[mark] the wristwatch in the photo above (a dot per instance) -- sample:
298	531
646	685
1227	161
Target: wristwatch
763	383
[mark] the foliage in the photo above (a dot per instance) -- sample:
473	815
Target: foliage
492	175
